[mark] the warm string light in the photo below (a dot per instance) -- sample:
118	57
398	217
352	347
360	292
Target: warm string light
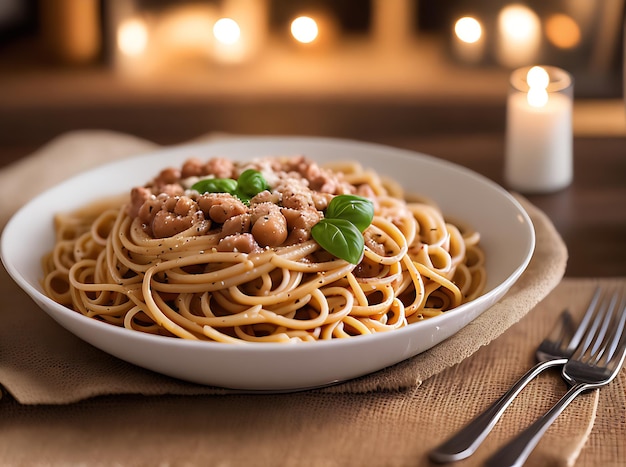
133	36
520	30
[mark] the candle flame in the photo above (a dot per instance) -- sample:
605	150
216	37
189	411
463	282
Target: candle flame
538	81
537	77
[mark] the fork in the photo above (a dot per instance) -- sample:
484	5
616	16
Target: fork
554	350
595	363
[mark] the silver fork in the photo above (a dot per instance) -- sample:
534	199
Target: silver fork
595	363
554	350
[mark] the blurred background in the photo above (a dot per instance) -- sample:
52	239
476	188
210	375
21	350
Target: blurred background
393	71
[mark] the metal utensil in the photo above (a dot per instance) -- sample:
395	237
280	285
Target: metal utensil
554	350
595	363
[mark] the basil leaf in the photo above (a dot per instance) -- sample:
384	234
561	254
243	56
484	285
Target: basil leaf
243	197
353	208
215	185
251	182
340	238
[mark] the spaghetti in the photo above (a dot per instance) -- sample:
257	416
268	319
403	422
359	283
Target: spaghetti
172	261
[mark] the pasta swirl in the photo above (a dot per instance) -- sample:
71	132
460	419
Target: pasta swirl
110	264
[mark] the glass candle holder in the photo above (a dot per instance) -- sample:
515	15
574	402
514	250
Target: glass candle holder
539	136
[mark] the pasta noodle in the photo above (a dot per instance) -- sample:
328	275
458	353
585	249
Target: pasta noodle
108	264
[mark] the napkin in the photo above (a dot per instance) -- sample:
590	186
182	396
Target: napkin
41	363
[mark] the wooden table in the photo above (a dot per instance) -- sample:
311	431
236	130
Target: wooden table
589	214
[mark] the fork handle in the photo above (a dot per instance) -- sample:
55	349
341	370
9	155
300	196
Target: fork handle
516	451
465	442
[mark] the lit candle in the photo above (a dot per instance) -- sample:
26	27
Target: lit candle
539	130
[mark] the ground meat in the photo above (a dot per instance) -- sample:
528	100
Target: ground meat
175	216
244	243
299	192
267	196
172	189
303	219
193	167
318	178
295	197
167	176
148	210
138	196
220	167
321	200
219	207
269	226
236	224
298	236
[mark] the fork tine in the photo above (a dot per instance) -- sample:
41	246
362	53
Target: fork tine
584	322
617	345
599	345
594	345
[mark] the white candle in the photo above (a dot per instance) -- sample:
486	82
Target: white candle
539	130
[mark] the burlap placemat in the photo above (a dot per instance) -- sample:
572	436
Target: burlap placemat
382	428
48	365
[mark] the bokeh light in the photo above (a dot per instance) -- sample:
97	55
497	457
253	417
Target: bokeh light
518	22
226	31
304	29
468	29
562	31
132	37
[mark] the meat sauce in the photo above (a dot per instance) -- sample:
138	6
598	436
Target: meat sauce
299	192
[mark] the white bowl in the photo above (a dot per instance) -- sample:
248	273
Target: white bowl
507	236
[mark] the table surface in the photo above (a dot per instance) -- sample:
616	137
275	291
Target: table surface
590	214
